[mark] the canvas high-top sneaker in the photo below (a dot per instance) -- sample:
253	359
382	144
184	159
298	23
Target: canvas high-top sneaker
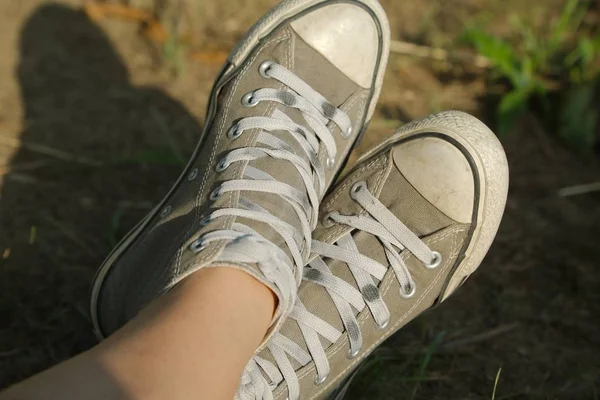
291	102
407	226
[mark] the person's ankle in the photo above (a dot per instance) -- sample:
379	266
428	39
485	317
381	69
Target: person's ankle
223	306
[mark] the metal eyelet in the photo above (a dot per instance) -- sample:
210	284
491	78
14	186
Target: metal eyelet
320	380
352	354
197	245
264	67
328	222
330	162
206	220
165	211
356	188
193	174
437	261
248	100
411	292
348	133
215	194
234	132
384	325
222	165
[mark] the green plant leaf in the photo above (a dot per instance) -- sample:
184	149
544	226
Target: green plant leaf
517	99
530	42
498	51
511	107
579	119
569	21
115	224
596	43
526	76
586	49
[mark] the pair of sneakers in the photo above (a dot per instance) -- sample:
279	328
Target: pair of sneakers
351	264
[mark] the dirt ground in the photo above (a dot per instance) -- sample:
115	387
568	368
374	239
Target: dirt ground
94	129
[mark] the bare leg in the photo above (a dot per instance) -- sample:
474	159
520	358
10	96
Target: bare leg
192	343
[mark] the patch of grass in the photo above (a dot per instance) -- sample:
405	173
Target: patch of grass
374	367
420	375
564	58
115	224
578	117
32	234
496	383
408	367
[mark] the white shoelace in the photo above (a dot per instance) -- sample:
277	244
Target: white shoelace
245	245
395	237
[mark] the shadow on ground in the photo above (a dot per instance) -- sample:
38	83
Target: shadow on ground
96	152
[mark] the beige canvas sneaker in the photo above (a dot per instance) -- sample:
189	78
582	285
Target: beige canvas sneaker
292	100
406	227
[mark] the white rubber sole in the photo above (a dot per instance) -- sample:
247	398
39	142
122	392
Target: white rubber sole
285	10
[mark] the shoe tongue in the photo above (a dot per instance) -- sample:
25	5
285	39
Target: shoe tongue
320	73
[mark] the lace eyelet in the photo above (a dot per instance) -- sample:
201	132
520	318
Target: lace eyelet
411	292
222	165
193	174
320	380
330	162
206	220
234	132
437	261
381	327
348	133
215	194
328	222
248	100
197	245
352	354
264	68
165	211
356	188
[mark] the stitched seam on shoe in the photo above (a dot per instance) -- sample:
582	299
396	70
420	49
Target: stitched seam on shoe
360	98
212	251
358	95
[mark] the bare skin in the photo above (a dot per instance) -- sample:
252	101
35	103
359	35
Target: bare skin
192	343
